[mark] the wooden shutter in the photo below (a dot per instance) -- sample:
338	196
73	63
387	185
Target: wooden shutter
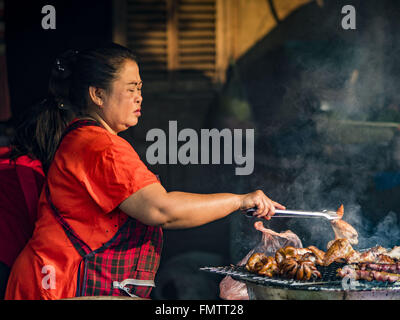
146	34
172	35
196	36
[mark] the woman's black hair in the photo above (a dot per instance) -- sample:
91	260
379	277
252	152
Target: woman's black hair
40	131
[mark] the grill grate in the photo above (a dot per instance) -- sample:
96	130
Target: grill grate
329	281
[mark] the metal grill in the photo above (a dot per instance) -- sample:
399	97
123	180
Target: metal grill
328	282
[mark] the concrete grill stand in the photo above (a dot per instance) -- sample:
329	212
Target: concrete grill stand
259	292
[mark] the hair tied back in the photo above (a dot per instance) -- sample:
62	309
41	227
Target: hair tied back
64	64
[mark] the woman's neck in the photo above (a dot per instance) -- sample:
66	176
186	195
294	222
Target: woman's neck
99	119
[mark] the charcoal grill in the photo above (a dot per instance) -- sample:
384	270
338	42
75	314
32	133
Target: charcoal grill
328	287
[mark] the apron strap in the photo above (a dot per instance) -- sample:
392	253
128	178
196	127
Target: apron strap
77	242
78	124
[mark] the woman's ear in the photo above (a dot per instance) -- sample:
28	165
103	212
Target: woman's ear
97	96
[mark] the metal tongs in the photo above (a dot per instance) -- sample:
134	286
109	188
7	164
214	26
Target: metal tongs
330	215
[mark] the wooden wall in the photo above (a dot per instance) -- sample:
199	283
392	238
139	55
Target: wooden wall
200	35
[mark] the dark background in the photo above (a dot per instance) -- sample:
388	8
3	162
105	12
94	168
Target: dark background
31	50
284	79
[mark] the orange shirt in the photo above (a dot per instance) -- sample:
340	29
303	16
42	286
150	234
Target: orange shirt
92	173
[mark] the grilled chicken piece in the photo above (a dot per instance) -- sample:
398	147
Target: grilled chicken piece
342	229
394	253
376	254
372	254
353	257
319	254
341	249
383	258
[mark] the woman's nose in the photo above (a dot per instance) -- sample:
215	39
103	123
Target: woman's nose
139	98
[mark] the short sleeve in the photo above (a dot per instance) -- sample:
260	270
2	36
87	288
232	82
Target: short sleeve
116	173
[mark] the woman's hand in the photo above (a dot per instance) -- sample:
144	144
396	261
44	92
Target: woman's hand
265	206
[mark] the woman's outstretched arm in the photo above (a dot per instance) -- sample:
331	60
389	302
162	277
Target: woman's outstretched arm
153	205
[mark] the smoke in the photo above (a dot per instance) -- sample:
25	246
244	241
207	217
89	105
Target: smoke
349	81
314	101
386	233
312	190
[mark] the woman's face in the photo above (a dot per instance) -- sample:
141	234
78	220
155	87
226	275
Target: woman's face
122	103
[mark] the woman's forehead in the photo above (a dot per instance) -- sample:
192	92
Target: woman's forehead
130	72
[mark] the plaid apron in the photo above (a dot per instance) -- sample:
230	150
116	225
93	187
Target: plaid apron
125	265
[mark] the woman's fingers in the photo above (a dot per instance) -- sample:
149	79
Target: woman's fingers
271	208
268	208
278	205
265	206
260	207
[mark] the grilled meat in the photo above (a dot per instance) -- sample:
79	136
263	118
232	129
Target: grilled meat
319	254
270	268
284	253
394	253
290	262
368	275
376	254
302	251
297	253
391	268
383	258
342	229
298	269
385	276
372	254
256	262
288	267
340	250
262	264
309	257
298	263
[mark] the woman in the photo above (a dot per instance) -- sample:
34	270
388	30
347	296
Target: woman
22	167
100	219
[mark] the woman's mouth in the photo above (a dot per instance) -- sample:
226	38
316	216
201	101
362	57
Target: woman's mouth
138	112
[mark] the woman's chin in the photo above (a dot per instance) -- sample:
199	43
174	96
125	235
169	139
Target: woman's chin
132	123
